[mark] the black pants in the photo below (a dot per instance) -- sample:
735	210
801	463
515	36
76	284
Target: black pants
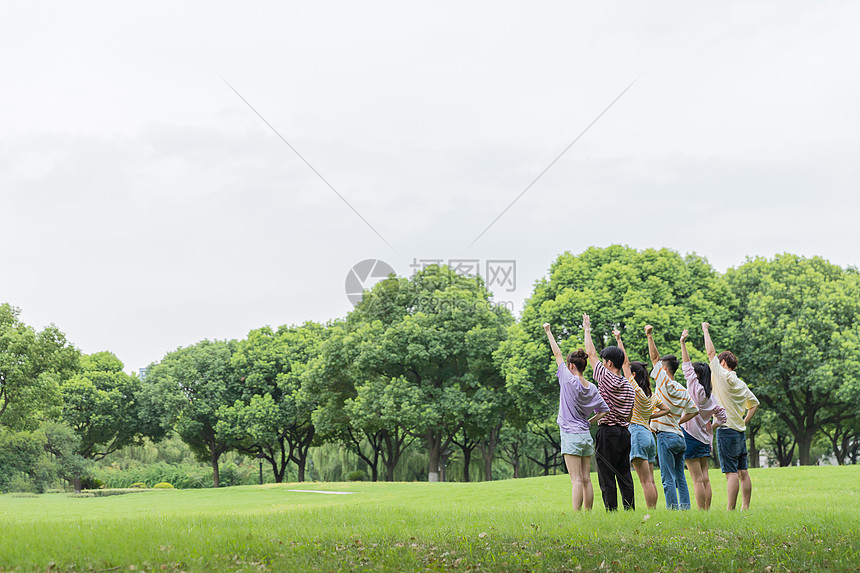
612	448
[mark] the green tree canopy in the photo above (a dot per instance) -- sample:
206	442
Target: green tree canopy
32	364
619	287
185	391
272	416
797	337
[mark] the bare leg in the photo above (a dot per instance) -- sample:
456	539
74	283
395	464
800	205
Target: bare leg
706	480
695	469
574	468
645	471
587	489
746	488
732	490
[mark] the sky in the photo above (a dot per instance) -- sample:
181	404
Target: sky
145	206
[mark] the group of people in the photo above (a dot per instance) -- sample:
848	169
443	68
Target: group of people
635	425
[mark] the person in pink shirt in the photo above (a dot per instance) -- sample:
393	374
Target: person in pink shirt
698	432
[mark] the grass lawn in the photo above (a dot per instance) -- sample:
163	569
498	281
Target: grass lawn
801	519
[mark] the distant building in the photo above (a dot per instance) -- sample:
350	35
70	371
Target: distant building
141	373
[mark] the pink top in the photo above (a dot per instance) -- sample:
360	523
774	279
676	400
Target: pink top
708	407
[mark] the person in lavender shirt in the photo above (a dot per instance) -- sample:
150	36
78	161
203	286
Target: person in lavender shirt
578	399
698	432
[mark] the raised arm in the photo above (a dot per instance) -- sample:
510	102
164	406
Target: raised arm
589	344
626	366
685	356
652	347
559	359
709	344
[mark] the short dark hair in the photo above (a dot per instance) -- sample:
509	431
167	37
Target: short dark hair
731	359
641	377
670	363
578	358
614	355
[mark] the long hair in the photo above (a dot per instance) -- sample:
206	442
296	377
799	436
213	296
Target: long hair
703	373
640	375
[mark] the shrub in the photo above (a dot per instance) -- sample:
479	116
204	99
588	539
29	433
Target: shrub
162	485
85	494
357	475
138	484
90	482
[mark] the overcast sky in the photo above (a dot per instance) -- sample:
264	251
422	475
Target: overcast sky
144	206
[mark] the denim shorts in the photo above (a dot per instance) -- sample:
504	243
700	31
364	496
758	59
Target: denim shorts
732	448
642	443
695	448
579	444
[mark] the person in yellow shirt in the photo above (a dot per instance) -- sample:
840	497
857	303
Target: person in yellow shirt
740	405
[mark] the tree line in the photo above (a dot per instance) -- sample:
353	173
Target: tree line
430	361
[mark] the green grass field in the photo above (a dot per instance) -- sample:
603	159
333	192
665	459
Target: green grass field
801	519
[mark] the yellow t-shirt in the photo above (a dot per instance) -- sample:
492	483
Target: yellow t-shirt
643	406
733	395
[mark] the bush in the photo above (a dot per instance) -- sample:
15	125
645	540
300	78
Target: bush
138	485
357	475
21	483
86	494
162	485
90	482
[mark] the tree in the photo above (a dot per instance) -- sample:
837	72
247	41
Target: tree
620	288
185	391
433	334
32	364
101	404
272	417
797	337
388	412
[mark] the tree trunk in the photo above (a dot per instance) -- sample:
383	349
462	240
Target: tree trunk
216	476
77	483
374	469
784	450
488	450
804	443
516	464
434	449
467	459
753	454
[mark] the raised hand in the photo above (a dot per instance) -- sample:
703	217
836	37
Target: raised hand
705	326
648	329
684	335
586	321
616	333
546	327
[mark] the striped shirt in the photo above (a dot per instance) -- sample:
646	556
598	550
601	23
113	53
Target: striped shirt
675	397
618	395
708	408
643	406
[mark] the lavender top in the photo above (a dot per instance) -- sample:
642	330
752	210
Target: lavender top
576	402
708	407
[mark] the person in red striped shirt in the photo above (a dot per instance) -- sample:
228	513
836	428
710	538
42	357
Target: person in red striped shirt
612	442
670	441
